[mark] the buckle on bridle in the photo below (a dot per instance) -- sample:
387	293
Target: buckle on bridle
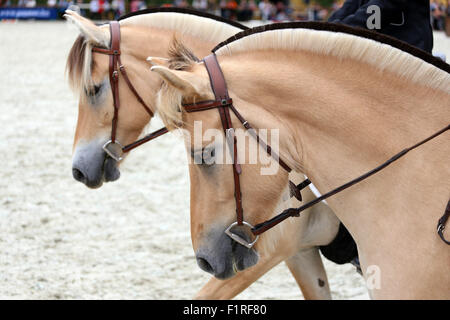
239	239
114	150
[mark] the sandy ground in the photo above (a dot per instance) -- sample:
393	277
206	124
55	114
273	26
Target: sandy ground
127	240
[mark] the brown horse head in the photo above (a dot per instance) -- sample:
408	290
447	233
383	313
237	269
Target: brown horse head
141	35
88	74
213	205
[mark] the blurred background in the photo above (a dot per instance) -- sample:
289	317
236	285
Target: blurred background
241	10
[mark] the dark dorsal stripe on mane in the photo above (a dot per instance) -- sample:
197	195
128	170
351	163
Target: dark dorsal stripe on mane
185	11
333	27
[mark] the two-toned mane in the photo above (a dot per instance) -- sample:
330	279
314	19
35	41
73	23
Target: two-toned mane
383	52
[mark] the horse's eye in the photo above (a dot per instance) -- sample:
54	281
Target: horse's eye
205	157
209	156
94	90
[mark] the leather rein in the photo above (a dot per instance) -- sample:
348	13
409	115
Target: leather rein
224	104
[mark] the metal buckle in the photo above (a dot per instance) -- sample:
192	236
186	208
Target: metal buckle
114	150
237	238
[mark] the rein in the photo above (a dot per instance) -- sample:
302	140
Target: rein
113	147
224	103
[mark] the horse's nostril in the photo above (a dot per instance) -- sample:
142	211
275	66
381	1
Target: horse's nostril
78	175
204	265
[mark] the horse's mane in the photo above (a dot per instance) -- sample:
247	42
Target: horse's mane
79	61
185	11
381	51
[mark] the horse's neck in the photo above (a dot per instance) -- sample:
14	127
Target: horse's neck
333	102
140	42
346	119
144	41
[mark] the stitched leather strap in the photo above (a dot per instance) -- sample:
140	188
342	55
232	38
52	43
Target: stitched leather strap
145	139
113	74
206	105
115	65
295	212
219	88
295	190
131	87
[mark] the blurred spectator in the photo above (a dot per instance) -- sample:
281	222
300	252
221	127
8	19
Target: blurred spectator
282	15
62	7
245	11
118	8
51	3
101	8
142	5
322	14
266	9
82	10
228	9
200	5
232	8
253	7
30	3
223	9
313	13
106	12
5	3
336	5
94	8
181	4
437	15
447	19
134	5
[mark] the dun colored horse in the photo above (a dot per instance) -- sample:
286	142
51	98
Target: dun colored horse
149	33
343	101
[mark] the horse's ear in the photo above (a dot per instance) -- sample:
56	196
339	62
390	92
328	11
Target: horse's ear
183	81
91	32
158	61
